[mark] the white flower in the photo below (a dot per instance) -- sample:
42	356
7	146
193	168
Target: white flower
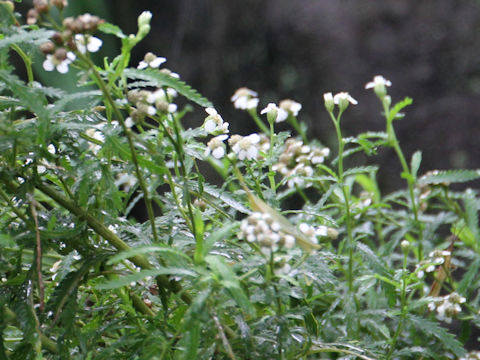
290	106
379	85
344	98
216	147
151	60
273	110
246	147
245	99
87	42
214	122
53	62
378	80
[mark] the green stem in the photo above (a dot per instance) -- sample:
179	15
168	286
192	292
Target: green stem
261	125
271	177
26	59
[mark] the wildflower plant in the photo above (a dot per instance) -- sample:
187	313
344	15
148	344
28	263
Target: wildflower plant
227	271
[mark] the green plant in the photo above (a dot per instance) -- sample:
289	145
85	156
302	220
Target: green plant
215	271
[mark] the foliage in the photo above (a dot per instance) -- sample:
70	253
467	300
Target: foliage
291	256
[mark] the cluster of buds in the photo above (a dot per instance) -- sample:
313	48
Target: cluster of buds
298	160
262	229
447	307
148	103
85	23
435	258
42	7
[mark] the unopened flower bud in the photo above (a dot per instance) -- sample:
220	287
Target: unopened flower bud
47	47
57	38
60	54
405	245
32	16
41	6
332	233
328	100
59	4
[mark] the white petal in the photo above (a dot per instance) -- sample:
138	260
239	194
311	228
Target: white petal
218	152
210	126
157	62
281	115
94	44
48	64
142	65
62	68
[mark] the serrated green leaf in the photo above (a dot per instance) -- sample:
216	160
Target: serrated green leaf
449	176
394	112
146	250
469	278
160	80
60	104
433	329
217	235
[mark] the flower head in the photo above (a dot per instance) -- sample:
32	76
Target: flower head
216	147
151	60
246	147
214	122
274	113
59	60
290	106
343	99
88	43
245	99
379	85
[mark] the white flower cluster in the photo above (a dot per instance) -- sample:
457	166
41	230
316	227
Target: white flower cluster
472	355
262	229
298	160
447	306
434	259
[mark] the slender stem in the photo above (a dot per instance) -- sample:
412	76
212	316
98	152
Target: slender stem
261	125
26	59
271	177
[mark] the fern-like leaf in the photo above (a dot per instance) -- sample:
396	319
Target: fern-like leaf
449	176
433	329
36	37
160	79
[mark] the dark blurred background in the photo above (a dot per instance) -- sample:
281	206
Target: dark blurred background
430	50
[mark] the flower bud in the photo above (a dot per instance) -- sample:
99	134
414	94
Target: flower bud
47	47
328	100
